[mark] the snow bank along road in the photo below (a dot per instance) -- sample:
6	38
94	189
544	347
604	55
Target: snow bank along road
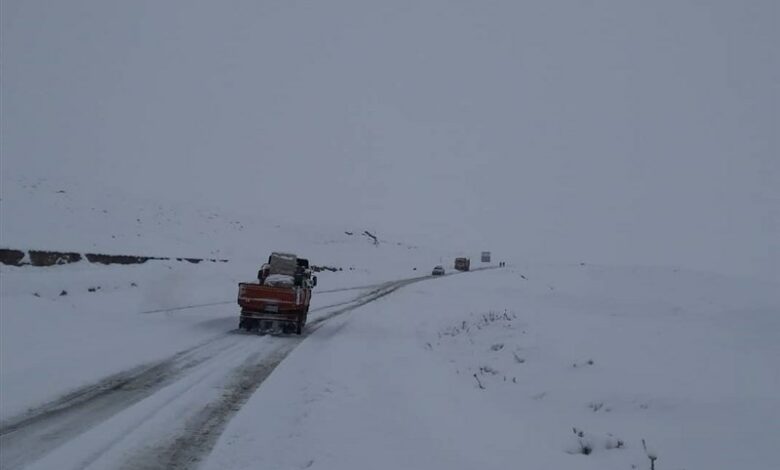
162	415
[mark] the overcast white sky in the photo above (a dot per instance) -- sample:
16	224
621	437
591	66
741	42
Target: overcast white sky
605	131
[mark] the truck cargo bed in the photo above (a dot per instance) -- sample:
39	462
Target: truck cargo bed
266	307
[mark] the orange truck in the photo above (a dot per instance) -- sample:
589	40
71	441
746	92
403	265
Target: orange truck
279	301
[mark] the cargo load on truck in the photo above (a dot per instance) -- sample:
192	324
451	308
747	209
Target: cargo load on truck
279	300
283	263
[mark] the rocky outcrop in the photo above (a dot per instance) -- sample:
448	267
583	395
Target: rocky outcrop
52	258
11	257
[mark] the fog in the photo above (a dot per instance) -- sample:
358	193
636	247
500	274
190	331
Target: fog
624	132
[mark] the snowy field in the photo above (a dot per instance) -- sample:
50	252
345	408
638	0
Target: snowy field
74	215
536	367
549	366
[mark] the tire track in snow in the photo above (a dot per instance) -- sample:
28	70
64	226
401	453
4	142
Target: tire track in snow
145	420
201	431
188	448
47	427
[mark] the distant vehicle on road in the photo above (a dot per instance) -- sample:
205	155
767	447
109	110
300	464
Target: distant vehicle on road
438	271
462	264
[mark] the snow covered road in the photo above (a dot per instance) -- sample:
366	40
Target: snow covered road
134	406
167	414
